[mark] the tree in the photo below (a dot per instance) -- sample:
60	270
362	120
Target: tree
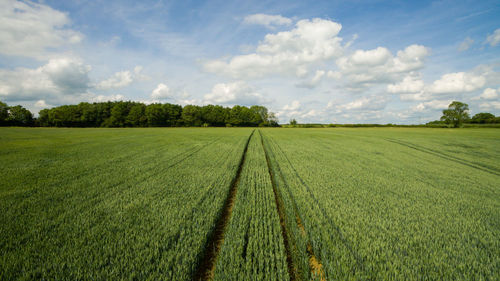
483	117
293	122
20	116
136	116
456	114
4	113
191	115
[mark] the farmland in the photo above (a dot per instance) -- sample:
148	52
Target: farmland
249	204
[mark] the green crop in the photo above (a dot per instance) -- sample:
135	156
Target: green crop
249	204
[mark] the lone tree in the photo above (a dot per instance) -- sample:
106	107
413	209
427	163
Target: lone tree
293	122
456	114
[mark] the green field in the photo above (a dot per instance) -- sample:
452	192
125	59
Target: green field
249	204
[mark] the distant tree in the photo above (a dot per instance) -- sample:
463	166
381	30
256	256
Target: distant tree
136	116
20	116
43	118
456	114
155	115
4	113
191	115
260	115
272	120
293	122
482	118
172	114
214	115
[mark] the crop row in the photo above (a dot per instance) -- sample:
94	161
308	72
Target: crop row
253	247
113	206
372	209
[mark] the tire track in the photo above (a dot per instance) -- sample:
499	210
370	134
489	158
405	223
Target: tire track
206	265
292	268
342	238
481	167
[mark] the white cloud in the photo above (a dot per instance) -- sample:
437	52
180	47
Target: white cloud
239	93
121	79
270	21
371	103
466	44
458	82
59	78
29	29
315	80
410	84
431	105
288	52
488	94
103	98
161	92
494	38
41	104
367	67
118	80
490	105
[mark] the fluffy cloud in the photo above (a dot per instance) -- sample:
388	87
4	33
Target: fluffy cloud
488	94
161	92
490	105
58	79
121	79
458	82
364	68
466	44
103	98
118	80
315	80
410	84
431	105
288	52
238	93
494	38
28	29
296	111
270	21
371	103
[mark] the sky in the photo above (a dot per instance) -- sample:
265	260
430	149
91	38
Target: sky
317	61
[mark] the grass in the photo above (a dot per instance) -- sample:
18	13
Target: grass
329	203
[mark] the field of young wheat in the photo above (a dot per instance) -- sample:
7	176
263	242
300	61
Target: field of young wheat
249	204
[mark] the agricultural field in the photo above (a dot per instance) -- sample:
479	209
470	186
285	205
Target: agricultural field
249	204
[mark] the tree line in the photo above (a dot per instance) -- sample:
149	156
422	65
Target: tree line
457	114
136	114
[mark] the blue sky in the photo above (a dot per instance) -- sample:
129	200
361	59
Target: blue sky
316	61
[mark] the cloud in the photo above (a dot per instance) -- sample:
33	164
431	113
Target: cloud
28	29
431	105
295	110
494	38
288	52
488	94
239	93
466	44
54	81
367	67
490	105
161	92
269	21
370	103
410	84
412	88
104	98
121	79
458	82
118	80
316	79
